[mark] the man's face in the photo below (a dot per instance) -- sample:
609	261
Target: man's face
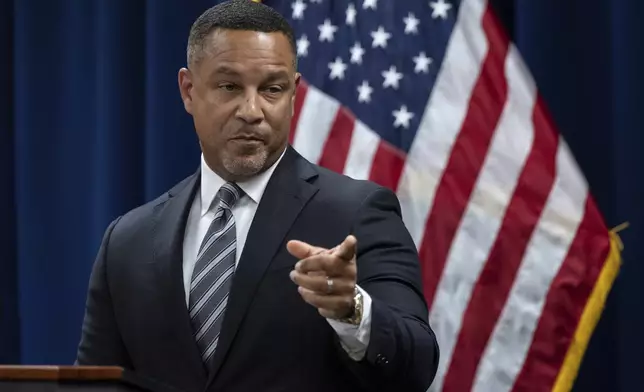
241	97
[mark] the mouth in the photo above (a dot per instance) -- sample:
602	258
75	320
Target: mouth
247	138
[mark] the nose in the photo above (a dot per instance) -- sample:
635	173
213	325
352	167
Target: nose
250	110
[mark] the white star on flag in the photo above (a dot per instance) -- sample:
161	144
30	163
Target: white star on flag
369	4
440	9
380	38
356	53
298	9
327	30
303	46
422	63
411	24
403	116
364	92
392	77
337	69
351	14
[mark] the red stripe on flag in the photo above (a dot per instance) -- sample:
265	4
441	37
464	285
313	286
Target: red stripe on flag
336	148
387	166
300	97
498	275
469	151
565	303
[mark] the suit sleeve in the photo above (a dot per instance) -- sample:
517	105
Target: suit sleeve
402	354
100	342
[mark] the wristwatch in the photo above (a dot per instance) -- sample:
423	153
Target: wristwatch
355	317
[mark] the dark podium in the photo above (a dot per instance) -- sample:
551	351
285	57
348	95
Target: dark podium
76	379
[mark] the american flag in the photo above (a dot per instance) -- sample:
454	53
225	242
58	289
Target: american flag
431	99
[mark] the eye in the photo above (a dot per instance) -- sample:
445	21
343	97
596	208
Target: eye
227	87
274	89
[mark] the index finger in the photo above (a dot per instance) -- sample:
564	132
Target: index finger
347	249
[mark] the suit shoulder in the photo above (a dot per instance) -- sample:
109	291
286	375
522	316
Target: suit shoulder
351	193
345	186
352	203
140	215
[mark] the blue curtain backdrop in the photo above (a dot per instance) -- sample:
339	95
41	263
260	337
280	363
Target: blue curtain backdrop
91	125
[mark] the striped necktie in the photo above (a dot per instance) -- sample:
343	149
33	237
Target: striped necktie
213	273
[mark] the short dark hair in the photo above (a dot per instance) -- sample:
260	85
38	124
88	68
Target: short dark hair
236	15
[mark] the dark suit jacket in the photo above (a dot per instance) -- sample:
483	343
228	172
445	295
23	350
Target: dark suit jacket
271	339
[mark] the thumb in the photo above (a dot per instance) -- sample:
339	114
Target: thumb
347	249
302	250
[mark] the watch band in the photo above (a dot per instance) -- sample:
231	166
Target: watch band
355	318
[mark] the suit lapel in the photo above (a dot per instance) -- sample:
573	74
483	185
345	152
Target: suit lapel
170	218
286	194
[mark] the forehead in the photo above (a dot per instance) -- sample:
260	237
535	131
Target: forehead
248	49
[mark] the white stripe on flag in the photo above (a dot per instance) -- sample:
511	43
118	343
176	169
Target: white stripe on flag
443	117
510	146
505	353
316	119
364	144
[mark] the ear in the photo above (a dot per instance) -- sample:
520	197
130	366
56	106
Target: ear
185	88
298	77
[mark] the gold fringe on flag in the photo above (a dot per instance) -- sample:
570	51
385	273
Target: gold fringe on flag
591	314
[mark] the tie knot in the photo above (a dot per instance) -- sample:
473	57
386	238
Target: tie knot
229	193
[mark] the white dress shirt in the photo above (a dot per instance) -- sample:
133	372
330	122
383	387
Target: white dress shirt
354	339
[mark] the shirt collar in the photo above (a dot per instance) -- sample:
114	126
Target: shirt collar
253	188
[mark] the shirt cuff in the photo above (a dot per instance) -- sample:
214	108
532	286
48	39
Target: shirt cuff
355	338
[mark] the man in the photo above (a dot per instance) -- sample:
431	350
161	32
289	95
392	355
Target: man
262	271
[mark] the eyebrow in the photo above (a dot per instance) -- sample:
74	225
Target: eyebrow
274	75
271	75
223	69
